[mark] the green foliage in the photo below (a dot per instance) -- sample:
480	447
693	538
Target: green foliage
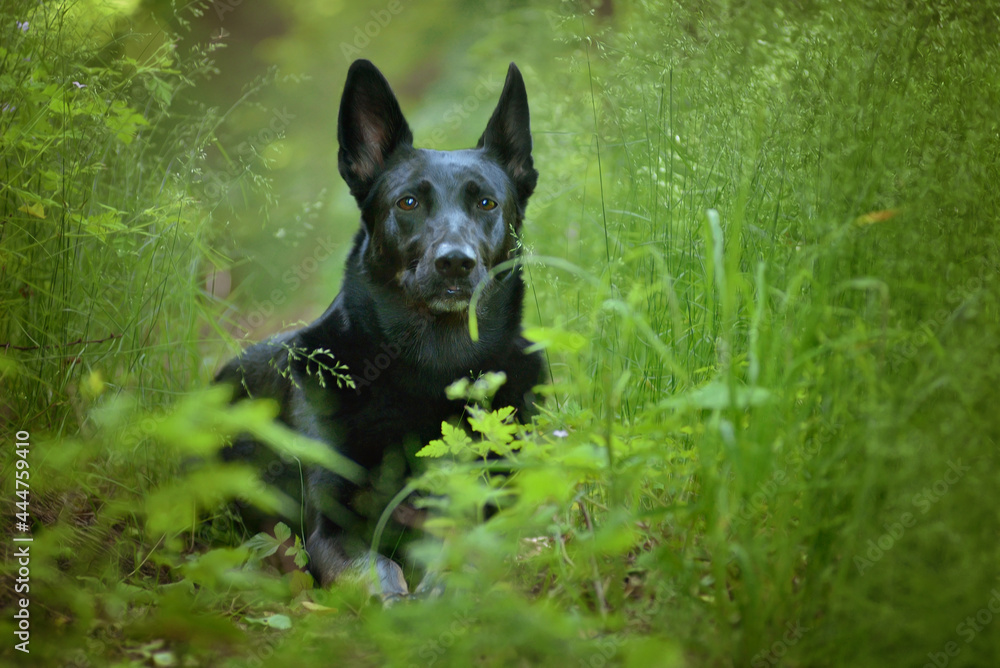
764	278
263	545
102	241
320	363
453	441
495	430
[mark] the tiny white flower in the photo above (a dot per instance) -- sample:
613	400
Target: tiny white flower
560	433
78	84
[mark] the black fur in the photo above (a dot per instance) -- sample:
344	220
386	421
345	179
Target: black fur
434	223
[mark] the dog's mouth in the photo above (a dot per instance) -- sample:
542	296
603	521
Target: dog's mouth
450	299
437	294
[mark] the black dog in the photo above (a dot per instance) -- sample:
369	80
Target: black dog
434	223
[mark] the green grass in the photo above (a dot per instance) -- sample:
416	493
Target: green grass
765	275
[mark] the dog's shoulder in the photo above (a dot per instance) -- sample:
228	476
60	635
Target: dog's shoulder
261	371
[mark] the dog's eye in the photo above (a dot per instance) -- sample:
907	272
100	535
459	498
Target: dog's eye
407	203
486	204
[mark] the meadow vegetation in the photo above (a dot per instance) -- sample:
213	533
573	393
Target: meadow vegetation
763	259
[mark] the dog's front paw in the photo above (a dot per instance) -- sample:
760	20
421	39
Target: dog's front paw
431	586
391	586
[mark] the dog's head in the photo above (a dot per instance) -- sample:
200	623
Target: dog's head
436	222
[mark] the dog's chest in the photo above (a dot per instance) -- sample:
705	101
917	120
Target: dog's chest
379	421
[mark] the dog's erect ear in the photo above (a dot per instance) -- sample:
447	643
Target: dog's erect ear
508	134
370	127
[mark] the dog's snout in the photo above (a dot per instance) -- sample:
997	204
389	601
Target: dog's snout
454	264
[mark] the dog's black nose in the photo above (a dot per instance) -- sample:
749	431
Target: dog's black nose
454	264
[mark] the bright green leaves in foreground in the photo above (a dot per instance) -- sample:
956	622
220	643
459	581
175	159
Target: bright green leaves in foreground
494	428
264	545
453	441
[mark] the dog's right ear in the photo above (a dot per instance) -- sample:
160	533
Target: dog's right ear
370	127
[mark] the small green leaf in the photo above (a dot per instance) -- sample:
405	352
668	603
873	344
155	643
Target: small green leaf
555	338
458	390
164	659
494	426
282	532
282	622
435	448
454	440
716	396
276	621
301	556
262	545
300	581
36	209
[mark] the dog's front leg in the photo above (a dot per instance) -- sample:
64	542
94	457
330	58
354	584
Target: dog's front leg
331	556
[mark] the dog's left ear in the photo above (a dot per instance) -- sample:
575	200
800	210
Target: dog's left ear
508	135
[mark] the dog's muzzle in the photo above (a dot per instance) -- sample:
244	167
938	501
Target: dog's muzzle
454	268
